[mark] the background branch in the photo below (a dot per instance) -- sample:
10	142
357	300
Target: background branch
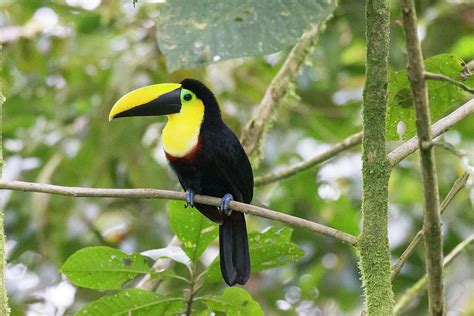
347	143
415	290
397	155
458	185
174	195
263	118
432	218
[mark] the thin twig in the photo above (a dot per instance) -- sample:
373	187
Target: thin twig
440	77
397	155
451	148
253	133
415	290
458	185
347	143
432	218
174	195
190	293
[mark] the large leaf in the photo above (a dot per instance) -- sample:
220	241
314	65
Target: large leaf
103	268
234	301
198	32
193	229
134	302
268	249
442	95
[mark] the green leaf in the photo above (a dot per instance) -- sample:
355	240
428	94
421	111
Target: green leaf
193	229
190	33
268	249
103	268
234	301
134	302
442	95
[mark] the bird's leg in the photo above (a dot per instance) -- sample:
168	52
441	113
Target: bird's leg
189	198
224	208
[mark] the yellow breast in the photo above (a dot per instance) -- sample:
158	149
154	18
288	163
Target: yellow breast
181	133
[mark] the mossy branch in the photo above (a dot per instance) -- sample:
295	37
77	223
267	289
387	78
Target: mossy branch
373	242
4	309
432	218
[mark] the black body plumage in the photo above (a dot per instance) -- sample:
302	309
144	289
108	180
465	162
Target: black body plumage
218	166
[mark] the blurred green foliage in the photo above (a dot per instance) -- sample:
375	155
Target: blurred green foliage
66	62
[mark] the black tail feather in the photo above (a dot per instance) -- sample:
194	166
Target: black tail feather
234	249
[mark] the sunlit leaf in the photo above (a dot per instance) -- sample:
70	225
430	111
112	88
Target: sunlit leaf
193	229
268	249
174	253
442	95
103	268
134	302
190	33
234	301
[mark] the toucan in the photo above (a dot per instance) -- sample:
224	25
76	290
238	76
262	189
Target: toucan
206	156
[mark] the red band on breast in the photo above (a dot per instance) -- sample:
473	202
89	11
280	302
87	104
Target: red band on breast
188	157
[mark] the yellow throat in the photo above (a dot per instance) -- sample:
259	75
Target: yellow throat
181	133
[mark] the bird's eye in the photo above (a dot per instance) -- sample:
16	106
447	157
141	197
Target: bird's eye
187	97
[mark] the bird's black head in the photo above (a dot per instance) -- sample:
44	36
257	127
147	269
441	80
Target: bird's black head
204	93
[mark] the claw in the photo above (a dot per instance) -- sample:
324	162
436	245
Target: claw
224	208
189	198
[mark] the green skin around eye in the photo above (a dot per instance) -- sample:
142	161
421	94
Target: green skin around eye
186	95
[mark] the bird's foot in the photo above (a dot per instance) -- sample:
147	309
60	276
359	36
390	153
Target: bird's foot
189	198
224	208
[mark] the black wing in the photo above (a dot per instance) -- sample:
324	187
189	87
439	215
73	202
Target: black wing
233	165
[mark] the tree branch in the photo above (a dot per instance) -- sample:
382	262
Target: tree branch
347	143
437	129
415	290
373	242
432	218
458	185
4	309
263	118
440	77
174	195
397	155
